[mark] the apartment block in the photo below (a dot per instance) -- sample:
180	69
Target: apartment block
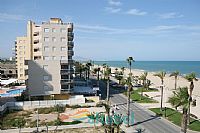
45	59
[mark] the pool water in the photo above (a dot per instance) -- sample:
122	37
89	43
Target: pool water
14	92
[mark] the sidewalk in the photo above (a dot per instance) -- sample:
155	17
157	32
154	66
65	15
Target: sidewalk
62	127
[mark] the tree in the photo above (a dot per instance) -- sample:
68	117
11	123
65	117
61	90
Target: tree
107	73
88	65
191	78
129	83
93	116
161	75
104	117
143	77
104	67
175	74
129	89
123	69
180	99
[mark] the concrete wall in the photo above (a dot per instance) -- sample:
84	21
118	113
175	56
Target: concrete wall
36	81
77	100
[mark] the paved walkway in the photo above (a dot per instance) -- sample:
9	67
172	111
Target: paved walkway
62	127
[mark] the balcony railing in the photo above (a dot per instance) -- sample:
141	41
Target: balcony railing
66	81
70	52
66	71
70	27
70	44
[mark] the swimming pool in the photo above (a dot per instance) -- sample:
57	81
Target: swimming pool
13	92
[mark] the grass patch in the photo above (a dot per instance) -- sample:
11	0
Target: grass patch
175	117
135	96
57	108
146	90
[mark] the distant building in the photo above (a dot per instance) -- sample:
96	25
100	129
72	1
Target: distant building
44	58
8	70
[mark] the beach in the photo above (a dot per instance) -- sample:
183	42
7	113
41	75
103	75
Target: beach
168	88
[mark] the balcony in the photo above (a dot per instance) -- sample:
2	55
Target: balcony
66	71
70	44
70	52
36	34
70	27
66	81
36	41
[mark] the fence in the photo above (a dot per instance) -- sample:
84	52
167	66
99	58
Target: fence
40	104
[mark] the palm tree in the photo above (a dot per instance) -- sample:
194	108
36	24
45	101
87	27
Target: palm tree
180	99
161	75
123	69
143	77
107	73
129	82
191	78
104	67
130	60
130	88
104	117
88	65
93	116
175	74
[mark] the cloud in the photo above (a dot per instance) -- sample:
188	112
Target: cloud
6	17
153	30
113	10
136	12
170	15
114	3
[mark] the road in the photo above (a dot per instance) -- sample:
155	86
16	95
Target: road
143	118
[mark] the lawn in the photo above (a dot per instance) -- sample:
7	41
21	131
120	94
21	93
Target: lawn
175	117
135	96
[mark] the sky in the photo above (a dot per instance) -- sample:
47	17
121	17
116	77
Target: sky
148	30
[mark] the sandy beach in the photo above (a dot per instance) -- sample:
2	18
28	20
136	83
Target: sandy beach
168	88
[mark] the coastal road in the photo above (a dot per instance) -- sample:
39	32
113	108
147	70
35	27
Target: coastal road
143	118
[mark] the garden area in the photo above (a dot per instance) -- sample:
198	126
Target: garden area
137	97
175	117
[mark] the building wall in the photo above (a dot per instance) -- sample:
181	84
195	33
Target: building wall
22	54
45	77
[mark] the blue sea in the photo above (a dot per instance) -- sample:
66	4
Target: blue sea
184	67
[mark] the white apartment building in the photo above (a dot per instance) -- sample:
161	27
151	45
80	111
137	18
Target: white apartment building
44	58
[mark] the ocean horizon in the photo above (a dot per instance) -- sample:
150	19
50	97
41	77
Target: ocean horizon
184	67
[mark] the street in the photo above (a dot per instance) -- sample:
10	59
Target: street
143	118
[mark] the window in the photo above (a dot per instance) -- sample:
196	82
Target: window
21	75
62	39
46	29
53	48
53	30
20	47
45	87
63	48
53	57
21	70
21	64
53	39
63	58
62	30
46	39
46	48
45	67
20	52
21	58
45	77
46	58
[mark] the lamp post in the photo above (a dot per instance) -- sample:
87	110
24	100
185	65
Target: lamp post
37	120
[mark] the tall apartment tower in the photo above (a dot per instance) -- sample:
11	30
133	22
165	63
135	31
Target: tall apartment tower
44	58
